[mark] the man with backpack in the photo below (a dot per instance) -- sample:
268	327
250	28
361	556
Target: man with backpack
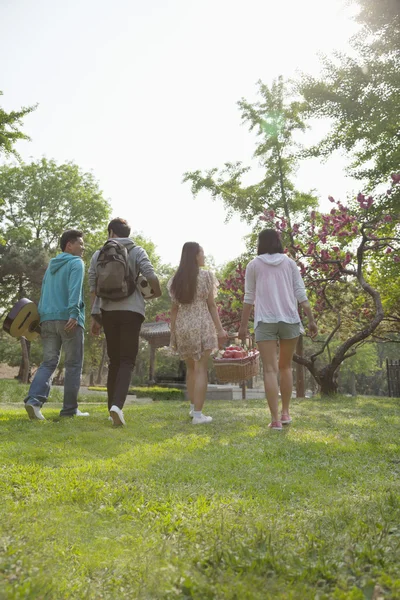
118	306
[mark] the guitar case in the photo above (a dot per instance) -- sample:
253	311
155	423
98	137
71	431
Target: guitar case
23	320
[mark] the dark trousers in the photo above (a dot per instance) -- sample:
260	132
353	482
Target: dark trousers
121	328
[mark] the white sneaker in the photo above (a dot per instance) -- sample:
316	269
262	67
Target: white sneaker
117	415
81	414
34	412
200	420
110	418
191	413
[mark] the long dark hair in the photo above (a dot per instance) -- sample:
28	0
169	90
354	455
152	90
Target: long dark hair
184	283
269	242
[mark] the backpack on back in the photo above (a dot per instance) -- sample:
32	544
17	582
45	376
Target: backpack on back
114	278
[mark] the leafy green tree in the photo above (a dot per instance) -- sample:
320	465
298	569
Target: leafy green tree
276	119
360	94
9	128
383	16
363	365
42	199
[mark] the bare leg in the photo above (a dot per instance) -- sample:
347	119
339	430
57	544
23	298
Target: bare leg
200	381
286	351
269	357
190	379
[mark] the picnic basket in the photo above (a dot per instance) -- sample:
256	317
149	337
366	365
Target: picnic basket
232	370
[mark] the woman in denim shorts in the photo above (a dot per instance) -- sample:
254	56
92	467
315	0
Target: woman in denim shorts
274	285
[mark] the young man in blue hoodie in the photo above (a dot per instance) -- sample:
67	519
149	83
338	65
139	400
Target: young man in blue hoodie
62	319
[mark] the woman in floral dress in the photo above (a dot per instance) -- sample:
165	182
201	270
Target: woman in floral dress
196	329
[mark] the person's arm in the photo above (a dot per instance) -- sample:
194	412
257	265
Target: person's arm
174	312
75	302
248	301
301	296
244	324
221	333
212	307
147	270
95	326
312	325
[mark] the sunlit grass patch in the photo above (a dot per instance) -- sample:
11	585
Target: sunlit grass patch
164	509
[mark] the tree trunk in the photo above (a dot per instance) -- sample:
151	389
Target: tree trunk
24	369
102	362
328	383
300	377
20	375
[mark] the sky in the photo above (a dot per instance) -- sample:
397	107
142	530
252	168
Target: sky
140	92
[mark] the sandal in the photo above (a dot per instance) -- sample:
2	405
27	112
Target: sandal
285	419
275	425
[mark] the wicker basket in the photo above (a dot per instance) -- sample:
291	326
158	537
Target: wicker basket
232	370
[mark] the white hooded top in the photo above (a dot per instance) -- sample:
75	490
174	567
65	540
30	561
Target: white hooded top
274	284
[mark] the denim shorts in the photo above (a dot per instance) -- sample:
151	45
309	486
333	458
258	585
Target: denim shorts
276	331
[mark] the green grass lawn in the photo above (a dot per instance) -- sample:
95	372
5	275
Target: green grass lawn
163	509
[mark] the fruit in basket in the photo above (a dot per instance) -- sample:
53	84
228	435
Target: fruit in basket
234	352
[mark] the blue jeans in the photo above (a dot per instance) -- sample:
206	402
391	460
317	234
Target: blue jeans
54	337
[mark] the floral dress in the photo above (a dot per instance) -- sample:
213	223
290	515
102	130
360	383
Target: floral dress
194	328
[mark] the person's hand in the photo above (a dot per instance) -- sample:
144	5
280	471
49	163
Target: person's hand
95	327
222	338
70	326
312	329
243	334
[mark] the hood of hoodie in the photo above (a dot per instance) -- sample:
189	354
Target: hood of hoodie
61	260
125	241
272	259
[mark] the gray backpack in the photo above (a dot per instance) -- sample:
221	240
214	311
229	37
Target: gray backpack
114	278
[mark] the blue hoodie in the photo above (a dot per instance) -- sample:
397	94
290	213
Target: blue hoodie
62	290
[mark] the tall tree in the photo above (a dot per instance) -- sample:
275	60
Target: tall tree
276	119
43	199
361	95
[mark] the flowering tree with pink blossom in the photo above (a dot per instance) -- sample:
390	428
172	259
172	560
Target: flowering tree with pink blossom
230	298
336	253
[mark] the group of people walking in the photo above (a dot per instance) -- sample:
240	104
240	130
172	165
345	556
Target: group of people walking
273	285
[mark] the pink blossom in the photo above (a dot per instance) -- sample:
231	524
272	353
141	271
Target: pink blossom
395	177
331	199
396	258
388	250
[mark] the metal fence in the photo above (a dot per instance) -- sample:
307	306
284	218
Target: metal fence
393	377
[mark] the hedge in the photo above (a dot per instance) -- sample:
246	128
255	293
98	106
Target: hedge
156	393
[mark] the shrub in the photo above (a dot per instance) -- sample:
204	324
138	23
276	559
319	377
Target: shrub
156	393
